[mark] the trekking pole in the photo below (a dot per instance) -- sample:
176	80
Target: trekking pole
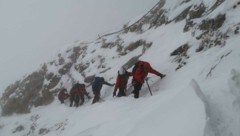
146	79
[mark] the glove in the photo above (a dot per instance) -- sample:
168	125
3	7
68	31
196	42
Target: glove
89	97
162	76
114	93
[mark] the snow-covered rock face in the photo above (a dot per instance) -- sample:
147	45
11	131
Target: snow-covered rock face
185	39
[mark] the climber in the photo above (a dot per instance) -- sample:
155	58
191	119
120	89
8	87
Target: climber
77	93
139	73
63	95
121	82
97	86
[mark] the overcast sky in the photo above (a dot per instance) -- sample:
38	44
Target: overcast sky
31	31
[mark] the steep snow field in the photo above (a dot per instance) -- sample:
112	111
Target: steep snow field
200	99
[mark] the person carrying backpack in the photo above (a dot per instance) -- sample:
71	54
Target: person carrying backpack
77	93
121	82
97	84
140	72
63	95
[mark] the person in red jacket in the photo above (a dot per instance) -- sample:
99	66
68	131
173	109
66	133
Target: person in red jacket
139	73
121	82
76	93
63	95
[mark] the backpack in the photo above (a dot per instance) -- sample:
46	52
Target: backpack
74	90
137	65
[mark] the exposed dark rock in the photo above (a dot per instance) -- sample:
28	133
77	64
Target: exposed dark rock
158	19
9	90
75	54
18	128
119	48
53	81
132	46
107	44
155	17
136	28
101	62
182	50
197	11
210	39
180	55
22	98
93	51
213	24
236	31
61	61
189	24
15	105
146	46
81	67
43	131
65	68
185	1
183	15
48	76
44	99
77	51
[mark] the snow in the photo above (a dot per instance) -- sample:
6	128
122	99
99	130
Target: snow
201	98
124	116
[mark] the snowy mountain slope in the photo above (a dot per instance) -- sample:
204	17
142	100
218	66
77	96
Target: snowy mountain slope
32	31
203	47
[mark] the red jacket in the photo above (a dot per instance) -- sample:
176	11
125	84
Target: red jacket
142	70
62	95
122	81
78	90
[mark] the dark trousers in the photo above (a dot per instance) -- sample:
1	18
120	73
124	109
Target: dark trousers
75	99
82	99
96	99
121	92
137	87
61	100
96	96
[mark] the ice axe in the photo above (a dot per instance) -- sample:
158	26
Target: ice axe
146	79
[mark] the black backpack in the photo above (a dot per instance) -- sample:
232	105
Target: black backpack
137	65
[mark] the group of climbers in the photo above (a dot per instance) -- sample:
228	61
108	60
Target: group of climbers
139	73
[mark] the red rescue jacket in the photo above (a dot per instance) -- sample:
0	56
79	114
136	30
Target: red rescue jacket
78	90
122	81
62	95
141	71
